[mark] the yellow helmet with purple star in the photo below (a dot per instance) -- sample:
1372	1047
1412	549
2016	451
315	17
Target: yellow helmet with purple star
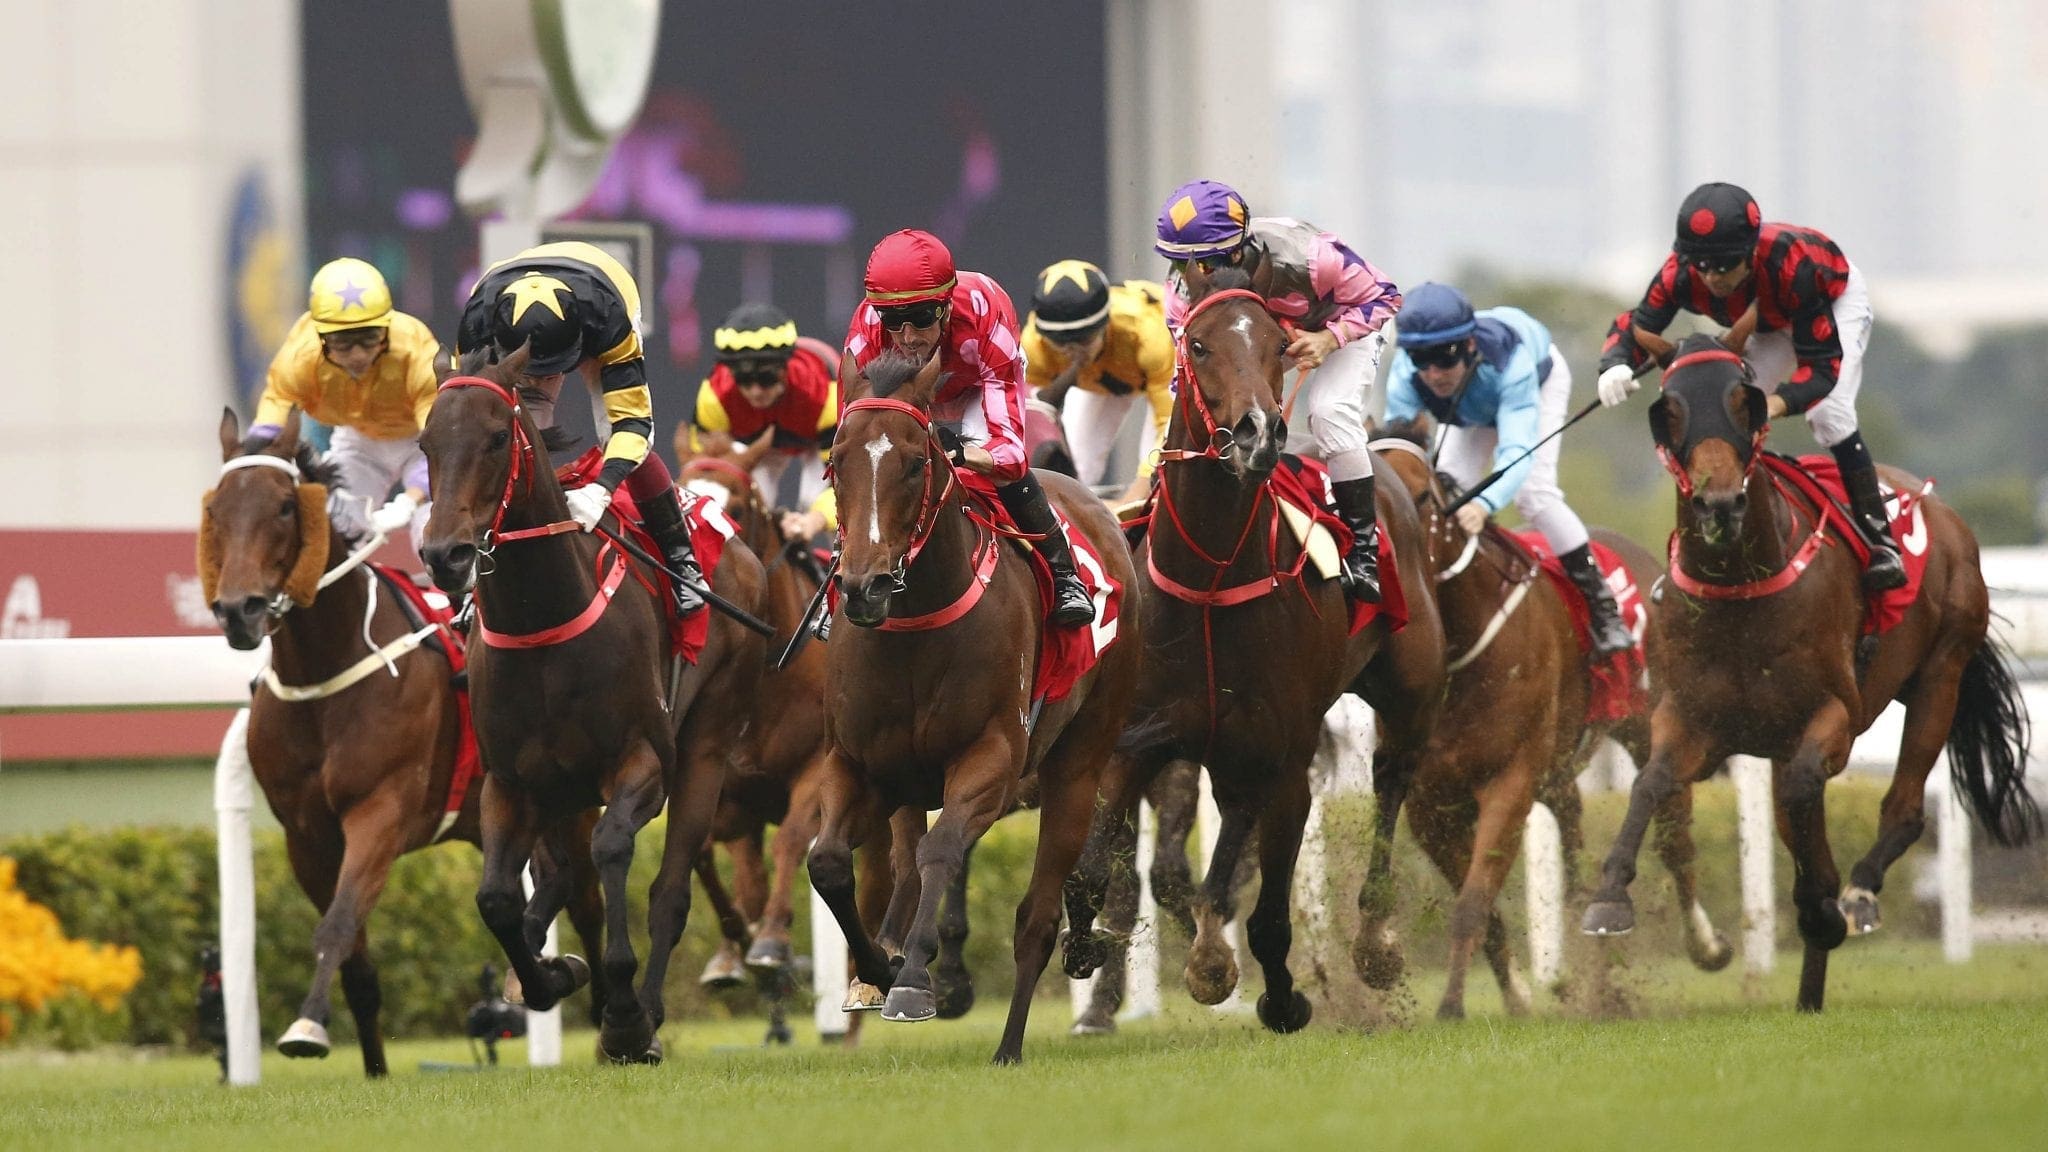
349	293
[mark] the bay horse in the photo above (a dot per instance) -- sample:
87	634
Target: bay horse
1514	731
356	756
928	691
1246	651
1759	624
570	693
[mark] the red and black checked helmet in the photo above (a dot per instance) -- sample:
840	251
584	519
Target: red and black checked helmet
1717	221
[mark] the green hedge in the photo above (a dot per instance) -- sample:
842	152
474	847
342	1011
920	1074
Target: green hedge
157	889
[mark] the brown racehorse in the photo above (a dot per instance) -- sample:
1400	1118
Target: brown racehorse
1758	627
1239	680
356	773
928	686
570	691
1514	731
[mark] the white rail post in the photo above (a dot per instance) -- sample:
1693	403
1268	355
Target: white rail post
234	791
1952	856
828	969
544	1029
1141	963
1208	827
1543	855
1756	831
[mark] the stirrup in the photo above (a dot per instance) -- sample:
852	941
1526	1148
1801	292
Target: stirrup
688	599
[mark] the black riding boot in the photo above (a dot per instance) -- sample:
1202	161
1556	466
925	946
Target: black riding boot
1027	505
664	519
1609	634
1361	567
1866	503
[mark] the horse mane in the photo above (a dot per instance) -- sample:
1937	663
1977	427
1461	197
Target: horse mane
889	372
1415	430
1229	276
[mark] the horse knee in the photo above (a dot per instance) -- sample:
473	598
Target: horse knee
501	909
1801	784
831	868
1469	917
611	845
359	986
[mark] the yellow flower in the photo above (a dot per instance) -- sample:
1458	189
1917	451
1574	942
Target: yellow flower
37	962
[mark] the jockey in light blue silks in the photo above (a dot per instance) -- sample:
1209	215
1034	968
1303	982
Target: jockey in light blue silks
1499	386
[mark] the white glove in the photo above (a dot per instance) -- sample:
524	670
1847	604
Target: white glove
396	516
1617	384
348	513
588	504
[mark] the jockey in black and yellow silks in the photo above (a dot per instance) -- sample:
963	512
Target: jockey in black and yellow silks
577	308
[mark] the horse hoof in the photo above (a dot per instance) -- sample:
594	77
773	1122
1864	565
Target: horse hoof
305	1039
769	955
1608	918
1093	1023
724	969
1859	907
1451	1011
1081	955
570	972
909	1005
1293	1020
633	1043
1211	981
956	998
1378	962
862	997
1710	959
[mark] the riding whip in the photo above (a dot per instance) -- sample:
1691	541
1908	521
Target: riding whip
803	627
752	622
1497	473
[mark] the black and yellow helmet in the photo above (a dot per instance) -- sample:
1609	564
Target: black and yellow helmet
1070	302
755	332
539	310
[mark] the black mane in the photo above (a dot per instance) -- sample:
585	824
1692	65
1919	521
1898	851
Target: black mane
890	372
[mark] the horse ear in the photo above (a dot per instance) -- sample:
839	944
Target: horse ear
444	367
1667	419
852	385
230	435
512	367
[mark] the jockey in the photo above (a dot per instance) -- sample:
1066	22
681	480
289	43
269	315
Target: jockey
1334	303
1499	386
1091	348
352	362
770	403
576	308
919	306
1811	313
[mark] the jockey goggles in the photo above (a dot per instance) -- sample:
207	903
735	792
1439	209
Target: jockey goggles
1719	263
923	314
757	375
1438	355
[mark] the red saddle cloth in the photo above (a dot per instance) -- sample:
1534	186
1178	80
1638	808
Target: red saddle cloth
709	530
1305	483
428	609
1820	482
1065	654
1619	682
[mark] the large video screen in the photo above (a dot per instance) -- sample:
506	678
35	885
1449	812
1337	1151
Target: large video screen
780	139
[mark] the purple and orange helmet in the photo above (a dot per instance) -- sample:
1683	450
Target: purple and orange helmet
1202	219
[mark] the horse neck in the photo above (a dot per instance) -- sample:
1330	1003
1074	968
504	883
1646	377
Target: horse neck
1215	512
946	564
1760	550
317	641
533	582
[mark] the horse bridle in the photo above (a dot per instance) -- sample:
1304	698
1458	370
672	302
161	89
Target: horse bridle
1193	404
1669	458
280	603
524	463
930	503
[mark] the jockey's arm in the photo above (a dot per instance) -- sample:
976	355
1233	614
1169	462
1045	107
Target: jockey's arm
1635	338
1366	298
1001	457
1518	426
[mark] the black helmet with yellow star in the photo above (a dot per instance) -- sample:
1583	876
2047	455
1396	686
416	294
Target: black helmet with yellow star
539	310
1070	302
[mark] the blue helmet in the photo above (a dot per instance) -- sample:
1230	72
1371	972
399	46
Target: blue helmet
1434	314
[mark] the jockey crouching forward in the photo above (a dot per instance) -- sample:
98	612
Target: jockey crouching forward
918	305
1334	304
1499	385
353	362
770	404
1091	349
578	309
1811	314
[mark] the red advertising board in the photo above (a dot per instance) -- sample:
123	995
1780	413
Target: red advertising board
59	584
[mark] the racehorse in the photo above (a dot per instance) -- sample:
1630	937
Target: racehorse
1759	627
1515	729
1247	651
1175	797
929	685
354	727
572	692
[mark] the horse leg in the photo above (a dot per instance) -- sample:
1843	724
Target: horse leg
585	899
906	887
877	888
951	979
1504	803
510	828
843	798
693	786
976	795
371	839
316	863
725	968
1270	928
770	950
636	796
1500	956
1119	918
1376	952
1175	797
1930	710
1708	948
1067	806
1677	757
1111	838
1211	972
1801	792
365	1003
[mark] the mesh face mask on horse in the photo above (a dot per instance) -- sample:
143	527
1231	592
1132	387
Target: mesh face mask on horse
1761	613
571	693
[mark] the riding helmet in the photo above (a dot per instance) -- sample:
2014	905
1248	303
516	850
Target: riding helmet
1434	314
1071	300
539	310
1717	221
1202	218
348	293
909	267
755	332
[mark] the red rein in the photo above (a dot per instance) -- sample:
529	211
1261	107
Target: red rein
524	463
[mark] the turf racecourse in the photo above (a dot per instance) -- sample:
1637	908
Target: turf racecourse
1912	1053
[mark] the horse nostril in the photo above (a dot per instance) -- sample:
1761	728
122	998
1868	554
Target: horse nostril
1699	503
252	606
1740	502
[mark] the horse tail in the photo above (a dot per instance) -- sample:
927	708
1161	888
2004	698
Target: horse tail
1987	747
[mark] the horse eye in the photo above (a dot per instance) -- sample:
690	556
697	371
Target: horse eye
1197	348
916	467
287	507
500	438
